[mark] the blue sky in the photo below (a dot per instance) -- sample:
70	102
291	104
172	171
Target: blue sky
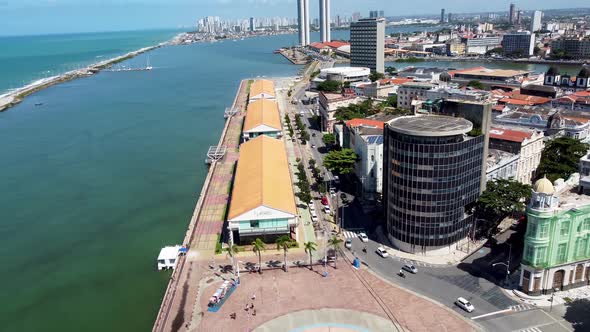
57	16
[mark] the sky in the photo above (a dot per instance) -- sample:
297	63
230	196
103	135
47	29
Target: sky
25	17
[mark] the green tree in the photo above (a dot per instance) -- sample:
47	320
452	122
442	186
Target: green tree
341	162
310	247
330	86
284	242
390	70
500	199
391	101
561	158
334	242
303	184
497	51
476	85
375	76
329	139
258	246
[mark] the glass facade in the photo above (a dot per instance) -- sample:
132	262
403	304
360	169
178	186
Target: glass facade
428	181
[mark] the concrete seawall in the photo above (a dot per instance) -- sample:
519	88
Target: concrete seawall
174	283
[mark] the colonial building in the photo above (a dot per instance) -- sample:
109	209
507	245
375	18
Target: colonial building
556	250
528	144
330	102
568	82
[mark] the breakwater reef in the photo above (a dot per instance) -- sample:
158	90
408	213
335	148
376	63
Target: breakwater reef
16	96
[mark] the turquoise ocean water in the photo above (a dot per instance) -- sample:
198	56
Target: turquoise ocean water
107	171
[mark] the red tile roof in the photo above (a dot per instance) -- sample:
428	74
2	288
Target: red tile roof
509	134
396	81
336	44
365	122
453	72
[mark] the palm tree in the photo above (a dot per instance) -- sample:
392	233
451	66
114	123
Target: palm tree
334	242
310	247
284	242
257	246
231	252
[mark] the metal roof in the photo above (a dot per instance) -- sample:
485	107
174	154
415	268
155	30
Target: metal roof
431	125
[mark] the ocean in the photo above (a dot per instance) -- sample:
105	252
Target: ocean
108	169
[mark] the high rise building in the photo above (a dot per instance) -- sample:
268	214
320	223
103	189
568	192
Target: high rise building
450	17
325	21
338	23
536	21
356	16
303	21
252	27
512	14
519	16
373	14
521	42
442	15
432	171
381	13
367	44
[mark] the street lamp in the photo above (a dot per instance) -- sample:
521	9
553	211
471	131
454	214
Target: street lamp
506	264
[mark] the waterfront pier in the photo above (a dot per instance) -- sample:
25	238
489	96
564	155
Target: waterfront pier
205	225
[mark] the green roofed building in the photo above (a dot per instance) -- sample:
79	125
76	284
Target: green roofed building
556	250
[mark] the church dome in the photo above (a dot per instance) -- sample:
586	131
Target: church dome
553	71
584	73
445	77
544	186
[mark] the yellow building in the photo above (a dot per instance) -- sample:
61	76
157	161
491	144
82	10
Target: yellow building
262	118
262	200
262	89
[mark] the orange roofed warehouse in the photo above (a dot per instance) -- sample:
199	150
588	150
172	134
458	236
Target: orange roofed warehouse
262	118
262	200
262	89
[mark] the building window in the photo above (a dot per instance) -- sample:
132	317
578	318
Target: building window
564	228
529	253
544	230
532	229
561	252
254	224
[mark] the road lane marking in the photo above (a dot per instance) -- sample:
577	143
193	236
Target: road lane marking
492	313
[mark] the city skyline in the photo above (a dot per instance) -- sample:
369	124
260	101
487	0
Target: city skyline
67	16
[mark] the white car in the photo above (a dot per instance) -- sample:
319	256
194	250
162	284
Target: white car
348	244
312	207
326	209
410	268
382	252
363	237
464	304
314	218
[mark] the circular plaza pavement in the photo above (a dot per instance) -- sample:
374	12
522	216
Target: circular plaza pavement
328	320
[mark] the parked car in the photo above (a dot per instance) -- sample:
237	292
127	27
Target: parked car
325	200
382	252
313	146
410	268
312	207
464	304
363	237
314	218
348	244
327	209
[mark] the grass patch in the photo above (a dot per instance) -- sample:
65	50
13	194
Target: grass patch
218	248
568	300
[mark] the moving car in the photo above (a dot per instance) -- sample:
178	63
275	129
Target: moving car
382	252
324	200
464	304
363	237
410	268
348	244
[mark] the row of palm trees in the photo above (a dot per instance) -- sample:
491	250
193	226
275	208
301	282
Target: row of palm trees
285	242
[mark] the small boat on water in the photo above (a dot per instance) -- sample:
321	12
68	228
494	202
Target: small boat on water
38	104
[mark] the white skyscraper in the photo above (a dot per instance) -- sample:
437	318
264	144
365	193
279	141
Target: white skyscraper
303	21
536	21
325	21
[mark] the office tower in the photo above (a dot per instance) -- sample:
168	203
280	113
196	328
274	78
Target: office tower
536	21
373	14
367	44
522	42
325	21
251	24
450	17
519	16
442	15
303	21
338	21
512	14
381	13
432	171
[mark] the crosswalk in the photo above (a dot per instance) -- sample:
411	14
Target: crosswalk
521	307
351	234
531	329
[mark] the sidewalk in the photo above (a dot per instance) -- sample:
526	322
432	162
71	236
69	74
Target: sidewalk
558	297
455	257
